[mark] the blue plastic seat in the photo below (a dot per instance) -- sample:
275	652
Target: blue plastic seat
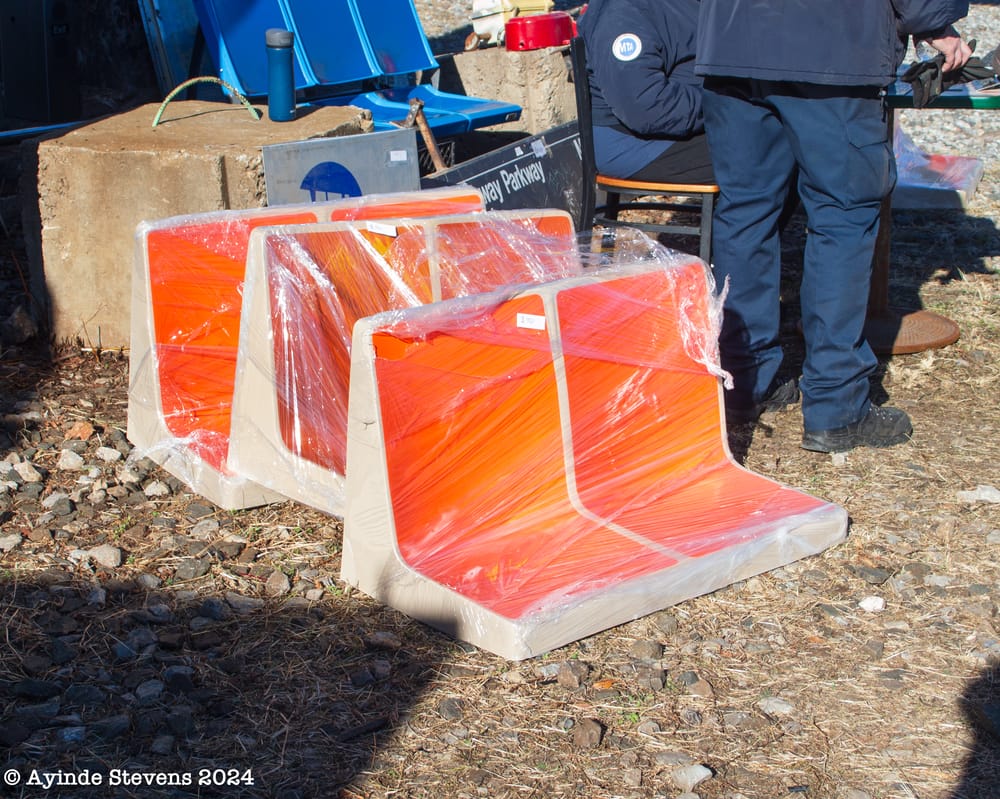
395	35
234	35
348	52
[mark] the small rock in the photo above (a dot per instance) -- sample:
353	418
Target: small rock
27	472
382	639
872	604
277	584
651	679
982	493
205	529
149	581
666	622
106	555
10	542
112	727
670	758
69	461
179	679
587	733
774	706
646	650
85	695
108	454
687	777
156	488
149	692
39	535
198	510
871	574
572	674
216	609
36	664
875	648
192	569
243	605
162	745
701	688
62	652
181	721
451	709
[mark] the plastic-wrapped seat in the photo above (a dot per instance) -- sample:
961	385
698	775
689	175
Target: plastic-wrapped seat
187	314
307	287
532	467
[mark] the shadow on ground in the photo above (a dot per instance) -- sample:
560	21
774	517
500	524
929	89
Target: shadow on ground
234	696
980	704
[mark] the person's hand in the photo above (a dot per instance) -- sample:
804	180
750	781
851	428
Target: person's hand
954	49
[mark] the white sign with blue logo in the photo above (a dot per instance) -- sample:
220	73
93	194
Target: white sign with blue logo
320	170
627	47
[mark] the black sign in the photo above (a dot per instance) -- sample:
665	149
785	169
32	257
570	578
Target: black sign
542	171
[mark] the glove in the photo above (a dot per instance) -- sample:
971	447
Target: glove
928	80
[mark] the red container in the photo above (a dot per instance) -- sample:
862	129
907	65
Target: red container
539	30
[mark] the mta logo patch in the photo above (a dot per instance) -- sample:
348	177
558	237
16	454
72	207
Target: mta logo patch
627	47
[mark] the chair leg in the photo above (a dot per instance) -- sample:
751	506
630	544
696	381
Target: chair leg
613	205
705	242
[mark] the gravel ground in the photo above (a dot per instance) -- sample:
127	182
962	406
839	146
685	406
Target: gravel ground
147	632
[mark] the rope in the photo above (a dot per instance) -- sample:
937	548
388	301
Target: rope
205	79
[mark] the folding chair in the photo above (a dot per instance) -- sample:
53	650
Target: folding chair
674	197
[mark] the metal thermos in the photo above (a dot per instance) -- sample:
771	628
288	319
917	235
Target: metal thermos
280	75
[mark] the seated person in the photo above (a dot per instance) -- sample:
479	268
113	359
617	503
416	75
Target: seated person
646	98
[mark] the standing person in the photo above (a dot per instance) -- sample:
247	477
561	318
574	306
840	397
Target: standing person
646	99
801	85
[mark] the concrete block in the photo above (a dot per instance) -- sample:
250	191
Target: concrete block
85	192
537	80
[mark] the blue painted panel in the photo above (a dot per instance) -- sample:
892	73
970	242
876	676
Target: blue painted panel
234	34
396	36
330	41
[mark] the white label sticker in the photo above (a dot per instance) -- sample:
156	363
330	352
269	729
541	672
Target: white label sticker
397	156
538	148
381	229
531	321
627	47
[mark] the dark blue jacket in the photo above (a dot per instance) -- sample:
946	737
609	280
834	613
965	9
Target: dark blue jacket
833	42
641	57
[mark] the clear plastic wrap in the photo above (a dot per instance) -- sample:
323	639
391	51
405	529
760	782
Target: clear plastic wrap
307	286
932	181
186	313
533	466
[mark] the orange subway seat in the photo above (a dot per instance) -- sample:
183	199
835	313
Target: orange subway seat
322	281
195	276
478	485
550	461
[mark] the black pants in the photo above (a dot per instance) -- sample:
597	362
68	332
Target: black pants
686	161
